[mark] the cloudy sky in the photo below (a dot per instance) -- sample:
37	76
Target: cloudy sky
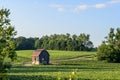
35	18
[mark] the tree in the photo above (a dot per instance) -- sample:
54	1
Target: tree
84	43
25	43
45	42
88	45
20	43
109	50
7	46
69	44
75	42
37	43
30	43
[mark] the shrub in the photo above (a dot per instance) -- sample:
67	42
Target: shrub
109	50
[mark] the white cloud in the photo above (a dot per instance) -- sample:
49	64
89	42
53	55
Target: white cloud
100	5
85	7
81	8
114	1
60	8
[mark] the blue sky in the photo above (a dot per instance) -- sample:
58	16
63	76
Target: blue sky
35	18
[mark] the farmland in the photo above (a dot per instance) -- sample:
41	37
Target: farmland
68	65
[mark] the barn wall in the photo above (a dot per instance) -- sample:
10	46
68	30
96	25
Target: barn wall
45	55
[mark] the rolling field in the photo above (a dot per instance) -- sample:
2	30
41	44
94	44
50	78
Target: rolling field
69	65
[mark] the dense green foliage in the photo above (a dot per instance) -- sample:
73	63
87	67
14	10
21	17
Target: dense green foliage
80	69
109	50
25	43
7	46
56	42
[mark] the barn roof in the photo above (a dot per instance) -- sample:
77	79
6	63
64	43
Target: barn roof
38	52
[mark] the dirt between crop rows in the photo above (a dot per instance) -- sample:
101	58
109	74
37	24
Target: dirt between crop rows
57	61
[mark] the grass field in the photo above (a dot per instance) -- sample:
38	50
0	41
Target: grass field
26	55
80	69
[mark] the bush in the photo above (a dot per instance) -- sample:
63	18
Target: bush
110	50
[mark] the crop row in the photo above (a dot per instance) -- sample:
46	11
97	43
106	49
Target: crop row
86	70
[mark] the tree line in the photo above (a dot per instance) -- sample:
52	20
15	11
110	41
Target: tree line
56	42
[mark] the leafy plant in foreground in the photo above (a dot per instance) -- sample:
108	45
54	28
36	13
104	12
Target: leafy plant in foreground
7	46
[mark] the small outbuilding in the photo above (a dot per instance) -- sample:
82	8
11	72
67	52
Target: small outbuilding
40	56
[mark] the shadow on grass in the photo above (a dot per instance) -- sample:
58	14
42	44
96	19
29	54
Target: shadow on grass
37	77
43	77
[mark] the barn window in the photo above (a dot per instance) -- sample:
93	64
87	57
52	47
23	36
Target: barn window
42	59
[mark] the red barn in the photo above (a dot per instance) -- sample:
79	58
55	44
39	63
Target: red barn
40	56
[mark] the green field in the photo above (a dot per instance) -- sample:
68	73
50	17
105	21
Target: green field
68	65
